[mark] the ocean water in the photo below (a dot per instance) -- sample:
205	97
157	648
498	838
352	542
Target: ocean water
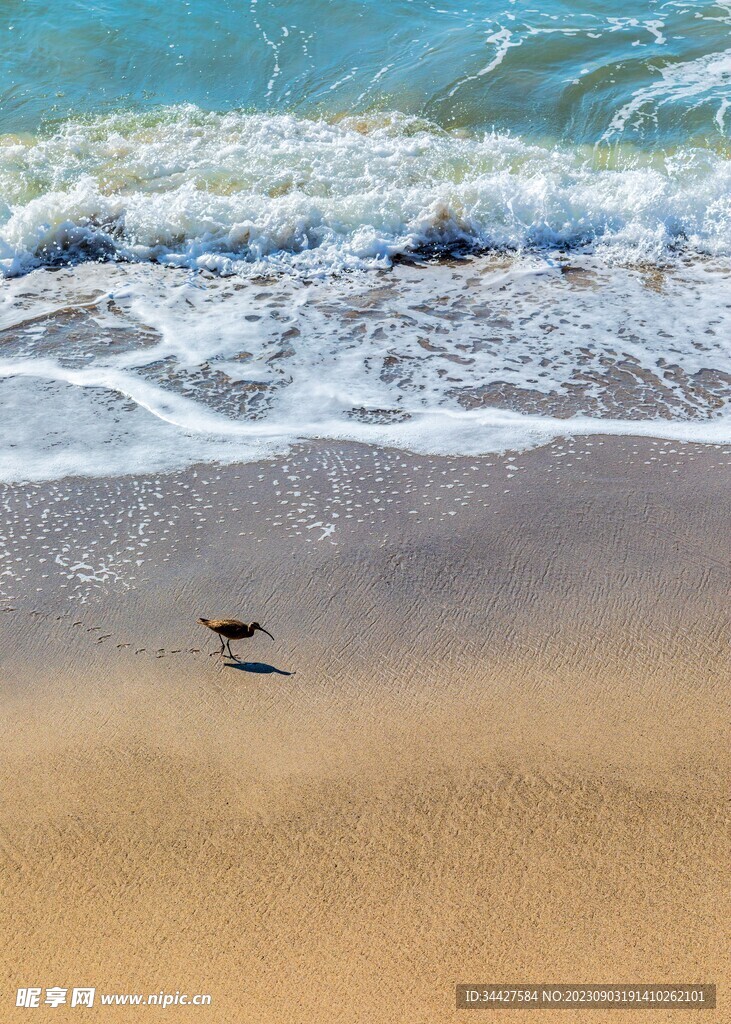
448	227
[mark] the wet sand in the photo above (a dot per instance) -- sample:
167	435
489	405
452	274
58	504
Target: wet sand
488	743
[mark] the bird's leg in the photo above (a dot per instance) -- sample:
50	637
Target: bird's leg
228	644
222	645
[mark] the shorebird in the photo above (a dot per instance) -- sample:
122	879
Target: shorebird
232	629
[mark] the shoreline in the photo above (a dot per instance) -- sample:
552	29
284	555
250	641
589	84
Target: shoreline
501	753
136	368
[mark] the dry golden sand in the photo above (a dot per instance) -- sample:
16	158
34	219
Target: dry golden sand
502	757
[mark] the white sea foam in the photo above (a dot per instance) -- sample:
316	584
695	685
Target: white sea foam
253	194
154	446
502	40
119	369
705	80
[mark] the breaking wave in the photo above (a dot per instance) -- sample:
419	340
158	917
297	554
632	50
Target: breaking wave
253	193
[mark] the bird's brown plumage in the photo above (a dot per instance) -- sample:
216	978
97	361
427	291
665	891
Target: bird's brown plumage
233	629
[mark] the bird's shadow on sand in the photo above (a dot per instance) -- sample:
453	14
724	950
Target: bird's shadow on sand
258	668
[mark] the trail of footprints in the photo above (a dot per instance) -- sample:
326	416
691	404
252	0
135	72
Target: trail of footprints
100	637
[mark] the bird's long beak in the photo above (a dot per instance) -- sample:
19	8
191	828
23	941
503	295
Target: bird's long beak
265	631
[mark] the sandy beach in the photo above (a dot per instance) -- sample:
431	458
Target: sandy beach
488	743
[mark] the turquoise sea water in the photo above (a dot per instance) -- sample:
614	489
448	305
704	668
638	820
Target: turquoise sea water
223	226
655	73
322	135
